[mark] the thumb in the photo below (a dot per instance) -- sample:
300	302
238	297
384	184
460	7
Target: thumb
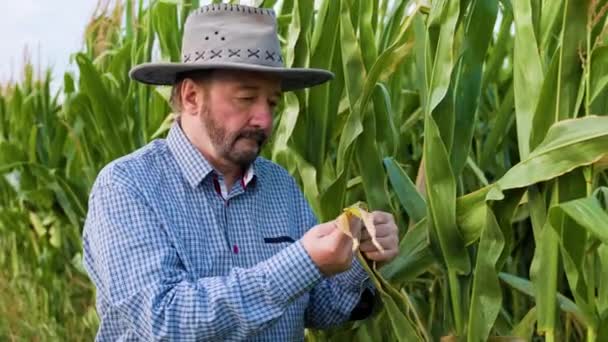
338	236
324	229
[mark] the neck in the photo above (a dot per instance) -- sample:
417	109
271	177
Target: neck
200	139
231	173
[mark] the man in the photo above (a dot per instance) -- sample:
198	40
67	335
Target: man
195	237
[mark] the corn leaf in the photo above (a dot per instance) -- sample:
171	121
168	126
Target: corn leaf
525	286
486	295
568	144
409	197
527	73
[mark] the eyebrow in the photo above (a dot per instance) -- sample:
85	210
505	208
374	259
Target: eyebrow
278	93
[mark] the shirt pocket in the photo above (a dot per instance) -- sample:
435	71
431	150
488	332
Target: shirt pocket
272	243
275	230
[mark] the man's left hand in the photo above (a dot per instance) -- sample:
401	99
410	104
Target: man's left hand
386	235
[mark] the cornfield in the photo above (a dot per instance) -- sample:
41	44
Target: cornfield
480	124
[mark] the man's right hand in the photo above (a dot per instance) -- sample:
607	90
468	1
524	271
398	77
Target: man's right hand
329	248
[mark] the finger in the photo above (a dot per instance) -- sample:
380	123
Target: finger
388	255
387	242
381	217
367	246
386	229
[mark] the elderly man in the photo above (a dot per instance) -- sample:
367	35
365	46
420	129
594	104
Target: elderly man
195	237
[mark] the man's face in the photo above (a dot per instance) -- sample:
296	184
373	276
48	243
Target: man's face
237	113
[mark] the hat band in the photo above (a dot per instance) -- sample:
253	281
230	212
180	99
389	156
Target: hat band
251	56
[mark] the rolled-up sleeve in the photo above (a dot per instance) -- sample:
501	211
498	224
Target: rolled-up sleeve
138	272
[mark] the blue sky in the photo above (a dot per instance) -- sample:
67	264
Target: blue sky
52	30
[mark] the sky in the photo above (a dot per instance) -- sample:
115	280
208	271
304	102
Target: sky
52	30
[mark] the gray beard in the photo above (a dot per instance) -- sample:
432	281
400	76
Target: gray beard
225	143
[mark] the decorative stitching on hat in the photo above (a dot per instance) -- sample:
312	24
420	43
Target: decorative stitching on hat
280	59
270	55
215	54
253	53
232	7
234	53
187	58
200	55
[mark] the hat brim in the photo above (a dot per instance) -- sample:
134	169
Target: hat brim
291	78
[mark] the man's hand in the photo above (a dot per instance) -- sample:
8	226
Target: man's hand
387	236
329	248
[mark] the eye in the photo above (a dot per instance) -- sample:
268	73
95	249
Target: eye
272	103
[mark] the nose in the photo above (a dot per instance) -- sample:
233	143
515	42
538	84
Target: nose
262	115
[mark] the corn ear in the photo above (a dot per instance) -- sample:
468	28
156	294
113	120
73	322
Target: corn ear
359	210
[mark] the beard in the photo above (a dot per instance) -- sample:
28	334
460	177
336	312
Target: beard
241	147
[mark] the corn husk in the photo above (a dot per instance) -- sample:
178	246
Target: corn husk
359	210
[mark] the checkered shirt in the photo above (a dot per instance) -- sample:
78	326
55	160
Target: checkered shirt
174	259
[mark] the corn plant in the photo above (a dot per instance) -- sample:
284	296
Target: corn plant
478	123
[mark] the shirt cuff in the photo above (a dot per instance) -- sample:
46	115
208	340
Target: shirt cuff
292	273
356	278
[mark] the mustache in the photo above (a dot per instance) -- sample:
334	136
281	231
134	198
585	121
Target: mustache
255	134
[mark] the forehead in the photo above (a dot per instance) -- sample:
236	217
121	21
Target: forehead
247	80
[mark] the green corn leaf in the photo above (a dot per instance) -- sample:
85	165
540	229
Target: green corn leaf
602	293
558	95
164	19
586	212
525	327
402	326
441	193
599	72
486	296
354	76
324	106
543	273
414	256
406	191
439	78
527	73
478	32
525	286
471	214
550	17
569	144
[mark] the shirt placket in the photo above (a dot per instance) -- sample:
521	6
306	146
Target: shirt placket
228	226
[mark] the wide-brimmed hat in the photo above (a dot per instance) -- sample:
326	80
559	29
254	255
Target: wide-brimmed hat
225	36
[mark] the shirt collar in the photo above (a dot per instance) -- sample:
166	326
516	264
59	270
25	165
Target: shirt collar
194	166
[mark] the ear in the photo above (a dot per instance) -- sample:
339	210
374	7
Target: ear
191	97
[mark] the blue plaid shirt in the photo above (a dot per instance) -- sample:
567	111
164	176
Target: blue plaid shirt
173	259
